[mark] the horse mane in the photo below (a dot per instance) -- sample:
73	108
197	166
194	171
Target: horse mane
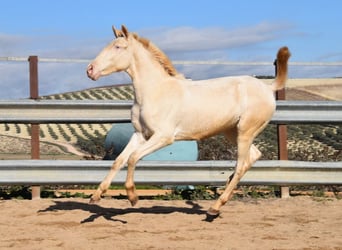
159	55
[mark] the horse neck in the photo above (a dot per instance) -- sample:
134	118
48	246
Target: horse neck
146	73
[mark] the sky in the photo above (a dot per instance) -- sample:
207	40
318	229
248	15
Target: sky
186	30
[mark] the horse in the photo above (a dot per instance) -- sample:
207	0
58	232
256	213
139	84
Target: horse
167	107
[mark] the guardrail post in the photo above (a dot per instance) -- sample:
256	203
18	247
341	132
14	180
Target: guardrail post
282	138
34	94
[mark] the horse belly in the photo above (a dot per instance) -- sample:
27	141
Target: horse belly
202	126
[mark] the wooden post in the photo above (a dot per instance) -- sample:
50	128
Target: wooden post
282	138
34	94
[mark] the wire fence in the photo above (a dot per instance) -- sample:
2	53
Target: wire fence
213	62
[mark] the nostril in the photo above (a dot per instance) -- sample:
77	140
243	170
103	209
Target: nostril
90	68
92	72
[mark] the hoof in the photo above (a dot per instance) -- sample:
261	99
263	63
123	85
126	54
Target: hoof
134	201
211	218
94	200
212	214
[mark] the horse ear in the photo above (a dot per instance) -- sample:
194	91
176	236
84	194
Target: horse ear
124	30
117	33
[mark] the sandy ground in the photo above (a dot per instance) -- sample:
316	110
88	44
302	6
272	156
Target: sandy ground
294	223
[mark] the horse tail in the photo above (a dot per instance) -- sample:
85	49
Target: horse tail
281	64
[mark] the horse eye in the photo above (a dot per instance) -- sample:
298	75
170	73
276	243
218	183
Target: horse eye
117	47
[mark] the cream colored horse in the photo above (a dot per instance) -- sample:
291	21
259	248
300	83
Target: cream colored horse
168	107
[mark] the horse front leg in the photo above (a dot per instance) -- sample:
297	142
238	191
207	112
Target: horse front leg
119	162
154	143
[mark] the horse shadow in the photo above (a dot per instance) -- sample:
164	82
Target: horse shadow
111	214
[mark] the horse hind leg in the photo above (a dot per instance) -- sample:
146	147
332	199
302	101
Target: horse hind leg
248	154
242	165
254	153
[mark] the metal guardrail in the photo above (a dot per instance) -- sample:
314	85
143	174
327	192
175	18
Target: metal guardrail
290	112
39	172
64	111
104	111
211	62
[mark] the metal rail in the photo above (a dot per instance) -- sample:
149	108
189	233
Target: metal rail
64	111
291	112
229	63
104	111
40	172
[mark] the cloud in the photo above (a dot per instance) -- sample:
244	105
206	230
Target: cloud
53	46
182	39
336	56
181	43
14	80
53	77
9	44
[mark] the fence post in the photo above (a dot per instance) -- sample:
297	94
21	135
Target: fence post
282	138
34	94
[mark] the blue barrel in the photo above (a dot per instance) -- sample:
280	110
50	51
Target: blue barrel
120	133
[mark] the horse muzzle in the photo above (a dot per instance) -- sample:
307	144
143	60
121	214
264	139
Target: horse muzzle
92	73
